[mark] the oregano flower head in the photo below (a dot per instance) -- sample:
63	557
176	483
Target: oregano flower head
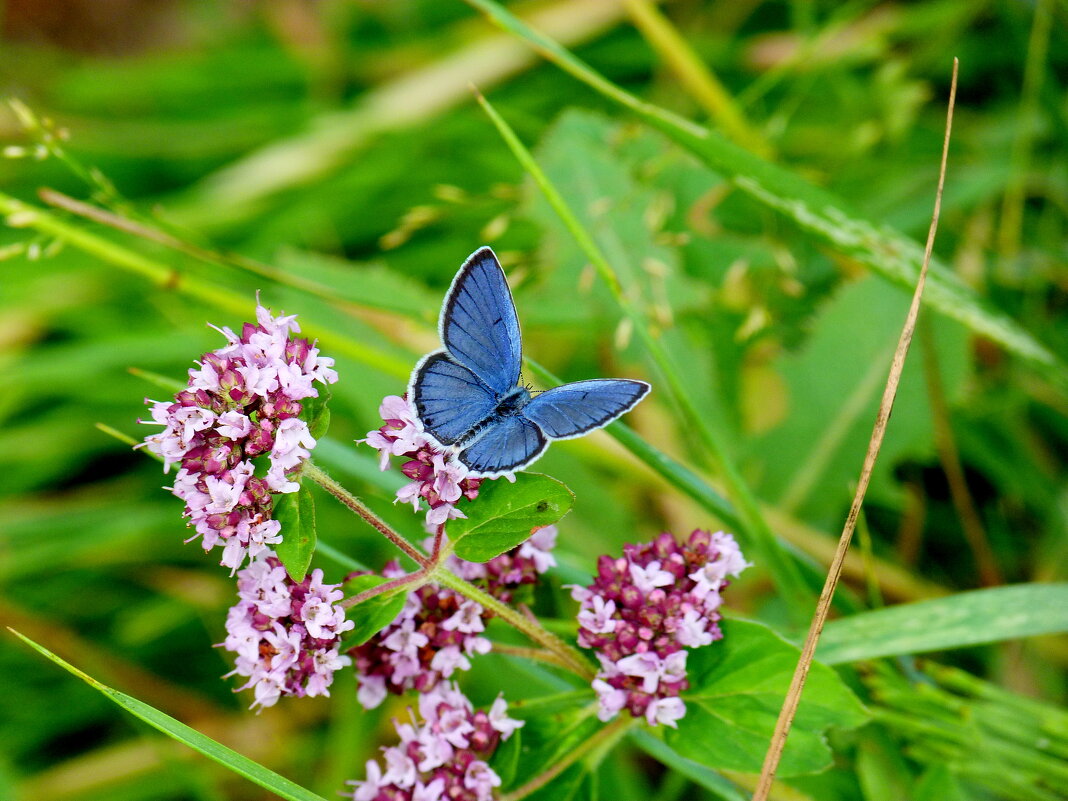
437	478
644	610
285	635
443	756
438	630
243	401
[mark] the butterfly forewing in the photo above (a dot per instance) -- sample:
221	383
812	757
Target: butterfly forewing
578	408
508	443
479	326
448	398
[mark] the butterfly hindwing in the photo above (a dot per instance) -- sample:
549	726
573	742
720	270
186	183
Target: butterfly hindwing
507	444
448	398
575	409
479	326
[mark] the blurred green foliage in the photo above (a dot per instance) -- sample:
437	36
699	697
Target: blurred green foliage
336	148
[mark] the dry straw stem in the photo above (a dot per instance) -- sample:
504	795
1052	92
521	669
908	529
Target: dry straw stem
793	696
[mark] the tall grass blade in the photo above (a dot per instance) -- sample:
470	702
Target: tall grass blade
887	252
241	765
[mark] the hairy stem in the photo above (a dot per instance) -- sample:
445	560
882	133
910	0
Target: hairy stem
415	580
533	654
360	508
570	657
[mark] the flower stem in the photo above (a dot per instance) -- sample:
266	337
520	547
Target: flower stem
533	654
602	739
417	578
572	658
316	474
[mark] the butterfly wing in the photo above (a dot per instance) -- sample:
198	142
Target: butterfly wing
507	444
448	398
578	408
479	326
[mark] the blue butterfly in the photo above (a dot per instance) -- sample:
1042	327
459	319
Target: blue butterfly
467	394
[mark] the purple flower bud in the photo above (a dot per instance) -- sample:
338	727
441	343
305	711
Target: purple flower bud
284	644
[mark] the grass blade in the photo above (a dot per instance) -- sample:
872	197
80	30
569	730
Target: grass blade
967	618
887	252
769	551
241	765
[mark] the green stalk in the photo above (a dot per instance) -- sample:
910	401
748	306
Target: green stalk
601	740
784	571
354	504
572	658
24	215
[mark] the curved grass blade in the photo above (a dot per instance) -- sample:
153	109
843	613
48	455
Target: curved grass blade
241	765
25	215
769	551
887	252
967	618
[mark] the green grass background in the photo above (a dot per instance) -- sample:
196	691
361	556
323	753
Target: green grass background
336	148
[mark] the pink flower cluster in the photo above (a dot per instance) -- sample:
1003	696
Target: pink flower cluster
437	478
444	758
285	635
644	609
431	638
438	630
242	402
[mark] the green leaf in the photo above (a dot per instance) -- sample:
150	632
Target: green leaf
374	614
506	514
938	784
315	412
737	687
548	737
887	252
967	618
505	760
695	772
296	512
810	460
241	765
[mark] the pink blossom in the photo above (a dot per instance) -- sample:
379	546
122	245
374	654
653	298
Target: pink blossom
644	610
437	478
234	411
279	648
437	632
443	756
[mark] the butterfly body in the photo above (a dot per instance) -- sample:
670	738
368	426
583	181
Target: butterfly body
468	397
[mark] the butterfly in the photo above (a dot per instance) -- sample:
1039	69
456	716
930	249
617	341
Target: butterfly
467	394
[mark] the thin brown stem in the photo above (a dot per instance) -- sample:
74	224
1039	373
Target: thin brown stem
793	696
439	539
360	508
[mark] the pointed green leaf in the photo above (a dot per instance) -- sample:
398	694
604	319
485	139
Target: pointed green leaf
967	618
505	514
315	412
241	765
296	512
737	687
374	614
